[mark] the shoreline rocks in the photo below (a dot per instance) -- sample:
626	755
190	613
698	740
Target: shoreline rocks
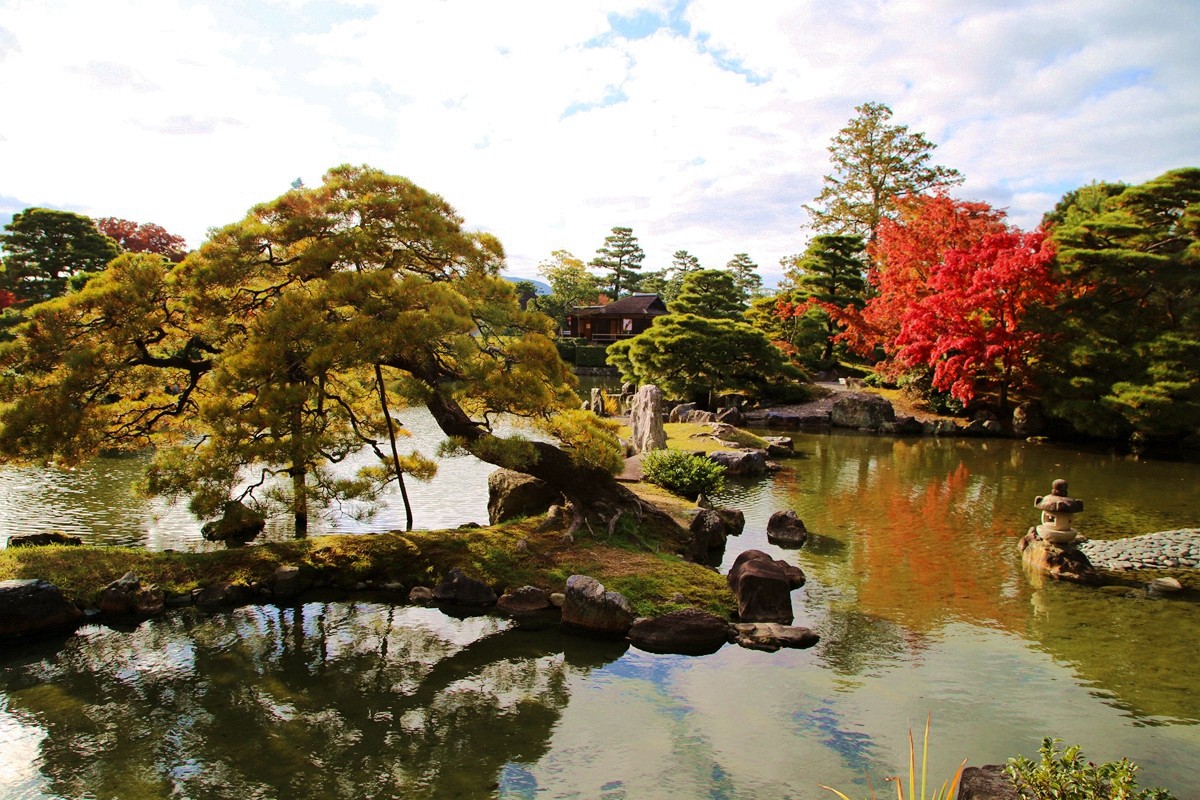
1162	550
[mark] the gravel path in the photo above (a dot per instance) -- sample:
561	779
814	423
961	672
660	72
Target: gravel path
1163	550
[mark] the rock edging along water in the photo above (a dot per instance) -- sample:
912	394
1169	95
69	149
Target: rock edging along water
1163	550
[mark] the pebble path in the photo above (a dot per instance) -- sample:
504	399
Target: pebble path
1163	550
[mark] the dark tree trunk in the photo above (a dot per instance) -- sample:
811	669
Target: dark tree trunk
587	491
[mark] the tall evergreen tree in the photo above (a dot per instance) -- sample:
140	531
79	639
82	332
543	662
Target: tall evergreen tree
622	256
44	248
874	162
745	276
1129	358
828	276
709	293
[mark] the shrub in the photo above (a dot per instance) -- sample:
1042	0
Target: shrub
682	473
1066	776
590	356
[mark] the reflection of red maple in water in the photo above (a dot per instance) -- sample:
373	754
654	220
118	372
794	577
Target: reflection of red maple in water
919	559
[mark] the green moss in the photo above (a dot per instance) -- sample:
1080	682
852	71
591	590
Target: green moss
635	560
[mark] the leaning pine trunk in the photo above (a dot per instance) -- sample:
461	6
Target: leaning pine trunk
299	477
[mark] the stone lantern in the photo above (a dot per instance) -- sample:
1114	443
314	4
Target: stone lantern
1057	511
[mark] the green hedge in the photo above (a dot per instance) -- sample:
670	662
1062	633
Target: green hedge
591	356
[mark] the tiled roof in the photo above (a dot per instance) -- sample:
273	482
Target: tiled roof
634	304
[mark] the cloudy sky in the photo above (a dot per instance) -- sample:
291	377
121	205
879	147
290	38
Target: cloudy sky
701	124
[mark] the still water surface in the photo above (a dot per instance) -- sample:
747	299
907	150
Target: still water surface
914	585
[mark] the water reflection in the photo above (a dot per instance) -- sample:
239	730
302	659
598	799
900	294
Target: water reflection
319	700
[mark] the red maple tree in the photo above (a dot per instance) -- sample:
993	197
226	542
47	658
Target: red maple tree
973	326
143	237
7	298
953	286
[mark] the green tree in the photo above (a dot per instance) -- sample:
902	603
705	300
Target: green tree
745	276
44	248
526	291
709	293
703	349
259	362
701	358
829	275
571	285
1129	354
622	256
874	162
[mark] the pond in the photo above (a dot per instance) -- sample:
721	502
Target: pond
914	584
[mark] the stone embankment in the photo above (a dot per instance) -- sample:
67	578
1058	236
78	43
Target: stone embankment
1159	551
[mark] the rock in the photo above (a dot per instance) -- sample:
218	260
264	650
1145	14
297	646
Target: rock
43	539
771	636
557	599
903	426
589	607
699	417
780	445
861	410
238	524
127	595
691	632
420	594
227	593
596	404
786	529
941	427
741	462
989	782
763	587
1028	420
709	529
512	495
287	582
781	421
645	420
457	589
731	416
1065	563
34	606
525	600
678	412
815	423
1164	586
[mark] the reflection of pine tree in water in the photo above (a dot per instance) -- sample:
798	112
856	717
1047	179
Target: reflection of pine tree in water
324	700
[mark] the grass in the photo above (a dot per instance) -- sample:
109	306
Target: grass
947	790
697	437
635	560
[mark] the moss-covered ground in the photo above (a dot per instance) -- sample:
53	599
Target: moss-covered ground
638	561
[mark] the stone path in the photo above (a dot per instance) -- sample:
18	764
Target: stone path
1163	550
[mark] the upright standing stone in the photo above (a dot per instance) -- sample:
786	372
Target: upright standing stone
597	402
645	418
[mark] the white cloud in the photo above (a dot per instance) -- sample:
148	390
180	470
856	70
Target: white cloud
542	123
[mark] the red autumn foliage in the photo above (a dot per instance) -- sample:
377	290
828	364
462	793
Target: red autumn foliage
145	237
953	285
973	325
7	298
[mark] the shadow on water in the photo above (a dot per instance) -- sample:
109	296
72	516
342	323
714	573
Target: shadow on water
338	700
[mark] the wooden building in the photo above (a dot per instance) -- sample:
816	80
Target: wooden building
621	319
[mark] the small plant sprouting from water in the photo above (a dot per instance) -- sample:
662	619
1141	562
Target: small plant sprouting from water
947	790
1066	776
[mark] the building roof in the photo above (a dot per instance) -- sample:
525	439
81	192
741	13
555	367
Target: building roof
642	303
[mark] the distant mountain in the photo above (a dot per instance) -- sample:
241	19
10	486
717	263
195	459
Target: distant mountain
542	288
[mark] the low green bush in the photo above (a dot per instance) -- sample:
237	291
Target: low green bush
1066	775
683	473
